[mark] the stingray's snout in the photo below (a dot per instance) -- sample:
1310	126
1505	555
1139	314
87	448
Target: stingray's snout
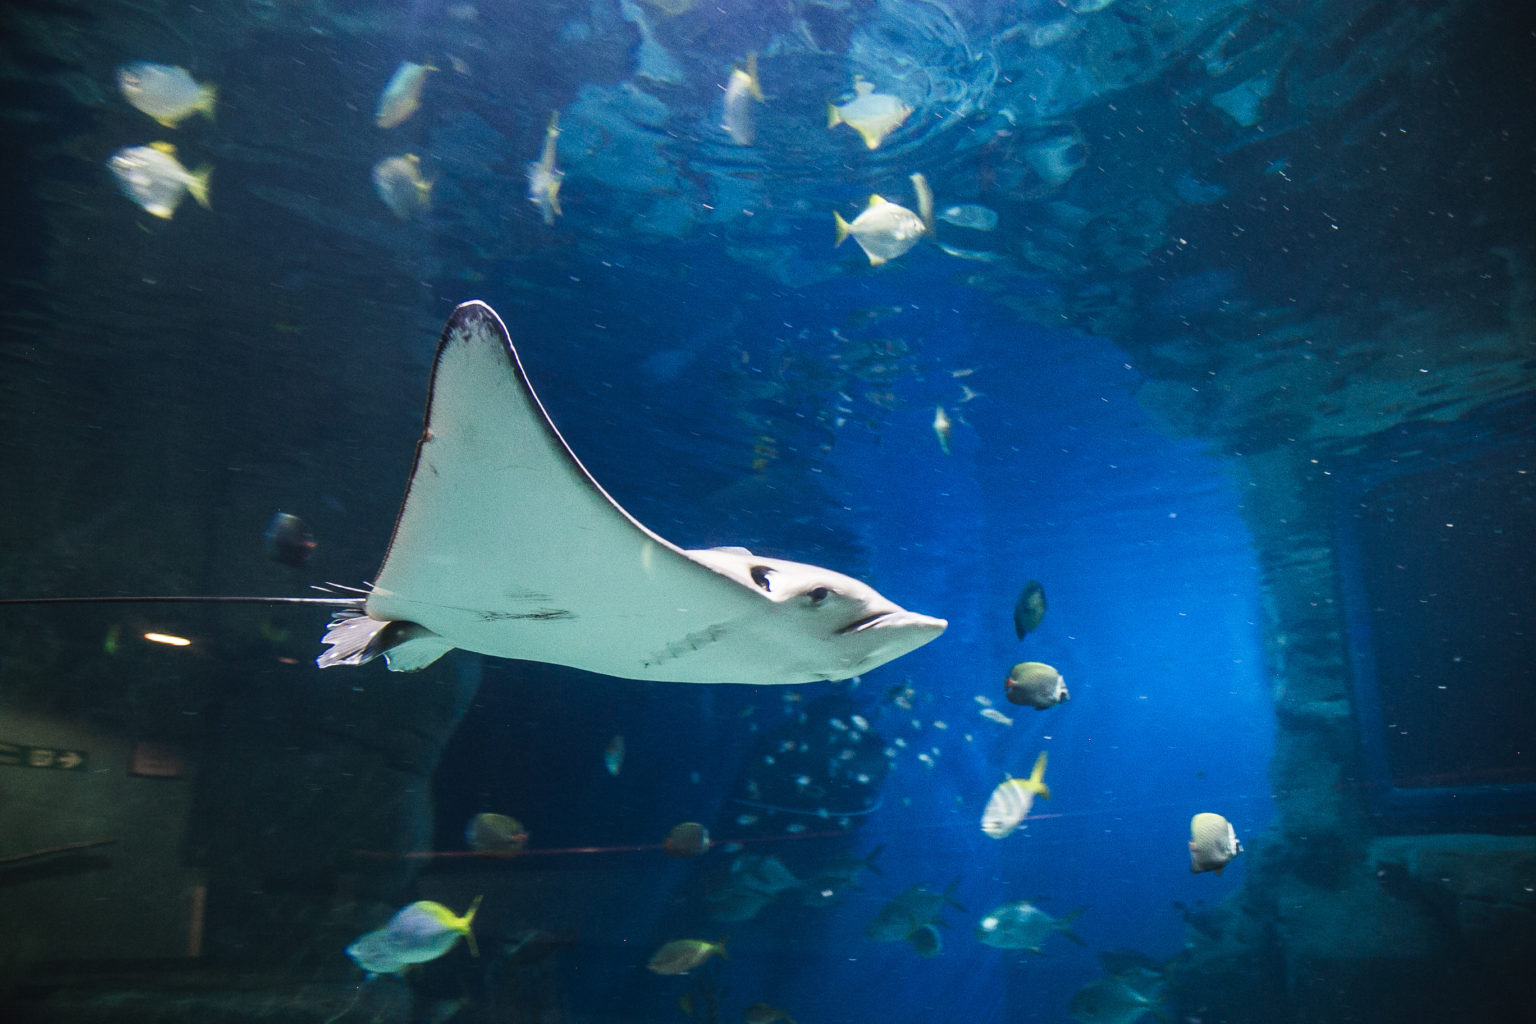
892	634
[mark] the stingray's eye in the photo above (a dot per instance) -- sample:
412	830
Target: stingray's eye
817	594
760	577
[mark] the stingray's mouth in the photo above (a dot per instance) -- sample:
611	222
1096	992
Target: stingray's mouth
867	622
897	618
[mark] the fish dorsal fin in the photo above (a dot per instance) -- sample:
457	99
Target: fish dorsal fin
163	147
862	87
877	200
734	549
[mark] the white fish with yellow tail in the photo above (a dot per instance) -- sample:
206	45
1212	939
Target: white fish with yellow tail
166	93
1011	801
402	94
417	934
398	181
885	230
874	115
152	177
740	91
1212	843
544	177
942	428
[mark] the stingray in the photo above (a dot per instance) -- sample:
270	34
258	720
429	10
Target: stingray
505	545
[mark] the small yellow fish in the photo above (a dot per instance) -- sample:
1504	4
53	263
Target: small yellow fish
1212	843
1011	801
152	177
874	115
942	428
544	177
166	93
398	181
740	91
613	755
682	955
885	230
402	95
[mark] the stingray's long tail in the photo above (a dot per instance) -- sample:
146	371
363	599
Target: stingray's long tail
330	602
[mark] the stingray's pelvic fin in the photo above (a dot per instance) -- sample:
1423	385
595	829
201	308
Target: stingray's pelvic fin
356	638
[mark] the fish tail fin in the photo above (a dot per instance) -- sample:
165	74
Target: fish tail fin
753	85
207	96
1065	925
719	948
869	862
356	638
197	184
842	228
833	117
554	199
924	200
466	923
1036	780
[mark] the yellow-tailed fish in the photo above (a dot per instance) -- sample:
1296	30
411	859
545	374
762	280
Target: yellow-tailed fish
166	93
420	932
740	91
682	955
1212	843
544	177
885	230
1011	801
402	95
398	181
152	177
874	115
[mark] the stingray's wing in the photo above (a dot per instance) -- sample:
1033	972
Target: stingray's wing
506	545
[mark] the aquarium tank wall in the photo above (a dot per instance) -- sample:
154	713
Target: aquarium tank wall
822	511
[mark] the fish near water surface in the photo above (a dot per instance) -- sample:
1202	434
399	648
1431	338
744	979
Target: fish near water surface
544	177
166	93
402	94
527	557
154	178
398	182
874	115
886	230
742	89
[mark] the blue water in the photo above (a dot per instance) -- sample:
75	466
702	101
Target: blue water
1337	279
